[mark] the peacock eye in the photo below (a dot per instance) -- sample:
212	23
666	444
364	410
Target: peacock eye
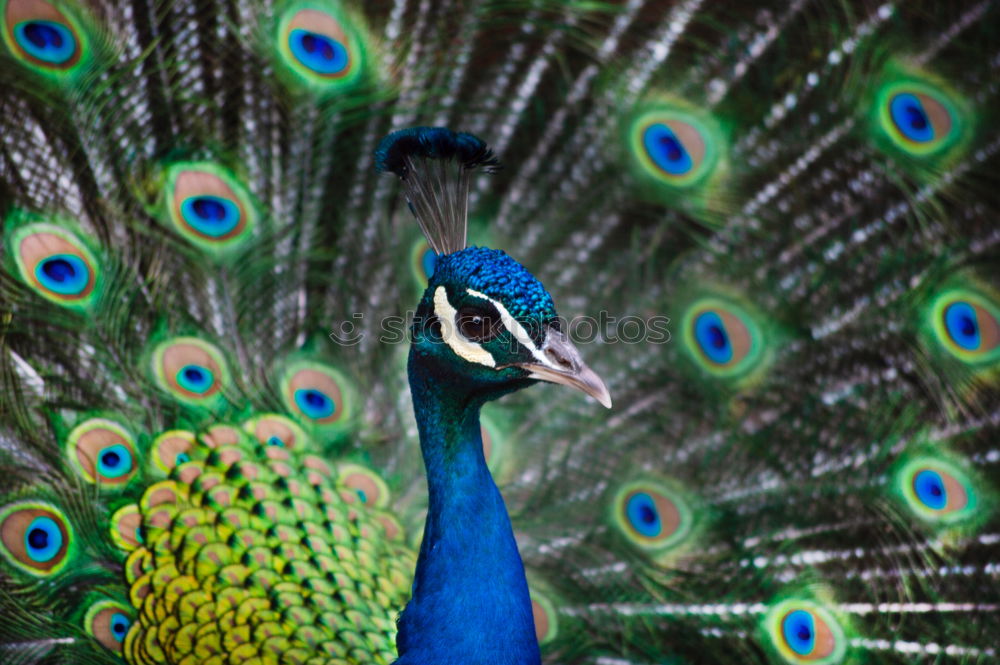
476	324
36	537
937	491
103	451
109	622
56	264
966	324
803	631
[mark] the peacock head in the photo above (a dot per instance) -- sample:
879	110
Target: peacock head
484	324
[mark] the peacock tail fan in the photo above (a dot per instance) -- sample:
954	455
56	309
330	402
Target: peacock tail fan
773	225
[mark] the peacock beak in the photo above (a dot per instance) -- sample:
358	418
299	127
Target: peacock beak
561	363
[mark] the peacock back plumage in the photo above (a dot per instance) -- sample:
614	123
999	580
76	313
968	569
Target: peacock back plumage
773	225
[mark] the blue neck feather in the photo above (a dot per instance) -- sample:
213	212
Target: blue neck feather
470	601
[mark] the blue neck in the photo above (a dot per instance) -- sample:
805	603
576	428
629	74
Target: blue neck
470	601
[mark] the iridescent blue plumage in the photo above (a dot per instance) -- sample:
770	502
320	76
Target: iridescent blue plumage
470	597
470	601
494	273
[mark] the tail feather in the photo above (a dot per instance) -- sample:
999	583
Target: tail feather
806	192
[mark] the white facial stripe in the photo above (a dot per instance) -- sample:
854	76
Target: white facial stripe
515	328
470	351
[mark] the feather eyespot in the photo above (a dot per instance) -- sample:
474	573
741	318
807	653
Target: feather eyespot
651	516
721	337
365	483
319	46
209	215
669	152
919	117
65	274
45	41
674	147
937	491
36	537
316	393
103	452
324	54
208	205
190	369
967	325
171	449
314	403
806	635
109	622
126	527
56	265
196	379
805	632
42	36
275	430
930	488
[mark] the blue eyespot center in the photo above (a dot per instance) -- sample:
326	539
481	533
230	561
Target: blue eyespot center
930	489
65	274
43	539
362	496
712	338
114	461
275	441
42	35
317	52
643	515
208	208
119	626
38	538
962	325
46	41
799	631
195	379
211	216
181	458
910	118
666	150
59	270
314	404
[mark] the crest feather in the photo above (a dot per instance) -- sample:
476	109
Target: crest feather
435	165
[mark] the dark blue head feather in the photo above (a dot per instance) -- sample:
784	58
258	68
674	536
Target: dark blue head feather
433	143
494	273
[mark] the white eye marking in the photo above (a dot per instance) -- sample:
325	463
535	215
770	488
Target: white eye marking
470	351
515	328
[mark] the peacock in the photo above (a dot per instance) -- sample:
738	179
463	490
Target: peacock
274	274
